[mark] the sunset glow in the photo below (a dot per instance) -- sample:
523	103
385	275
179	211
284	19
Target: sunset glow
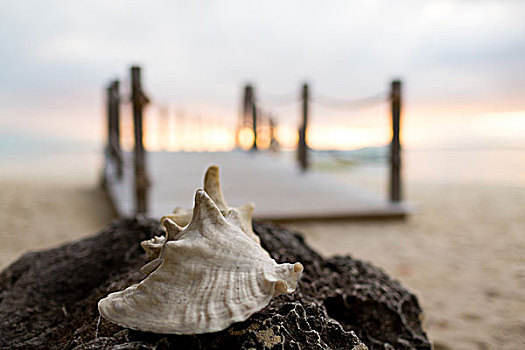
459	63
245	138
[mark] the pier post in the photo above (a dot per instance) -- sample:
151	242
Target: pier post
243	118
253	106
113	141
139	100
110	120
108	154
302	147
115	116
395	145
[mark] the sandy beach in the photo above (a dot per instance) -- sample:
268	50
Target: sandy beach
44	215
461	253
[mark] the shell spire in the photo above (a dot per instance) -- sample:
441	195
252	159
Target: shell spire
212	187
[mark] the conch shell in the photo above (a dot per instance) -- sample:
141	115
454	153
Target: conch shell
182	217
210	275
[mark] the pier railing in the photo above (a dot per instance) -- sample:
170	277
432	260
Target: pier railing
113	156
251	111
250	117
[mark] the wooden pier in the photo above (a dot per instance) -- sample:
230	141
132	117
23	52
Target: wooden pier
280	190
157	182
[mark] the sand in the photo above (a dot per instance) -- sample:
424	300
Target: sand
462	253
43	214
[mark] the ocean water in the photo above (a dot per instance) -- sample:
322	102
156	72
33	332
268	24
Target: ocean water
484	166
53	158
37	158
467	166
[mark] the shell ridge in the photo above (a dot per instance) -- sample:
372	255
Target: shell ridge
210	309
228	297
210	303
173	230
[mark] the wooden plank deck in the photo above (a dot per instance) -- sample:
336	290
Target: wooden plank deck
279	190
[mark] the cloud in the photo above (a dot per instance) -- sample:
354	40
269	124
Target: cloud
200	52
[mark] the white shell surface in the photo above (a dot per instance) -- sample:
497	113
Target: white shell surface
208	276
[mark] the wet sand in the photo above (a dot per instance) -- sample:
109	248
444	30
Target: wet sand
462	253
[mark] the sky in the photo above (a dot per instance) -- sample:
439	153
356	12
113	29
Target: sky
462	64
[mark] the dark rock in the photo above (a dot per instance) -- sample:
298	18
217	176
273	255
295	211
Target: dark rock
49	300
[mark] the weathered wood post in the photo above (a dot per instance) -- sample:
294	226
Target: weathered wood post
395	145
110	120
139	100
302	147
243	118
115	117
113	142
253	106
107	151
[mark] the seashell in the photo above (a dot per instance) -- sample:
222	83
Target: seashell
182	217
210	275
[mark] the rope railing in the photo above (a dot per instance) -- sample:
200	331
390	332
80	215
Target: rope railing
269	101
307	97
278	100
330	102
167	129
